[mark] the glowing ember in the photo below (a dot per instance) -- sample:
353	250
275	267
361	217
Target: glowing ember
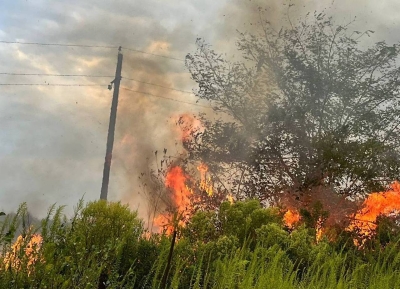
181	204
31	248
382	203
290	218
205	183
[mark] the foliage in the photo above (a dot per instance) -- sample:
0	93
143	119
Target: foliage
104	242
306	108
99	244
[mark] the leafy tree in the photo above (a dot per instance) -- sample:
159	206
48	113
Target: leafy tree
271	235
307	108
201	227
241	219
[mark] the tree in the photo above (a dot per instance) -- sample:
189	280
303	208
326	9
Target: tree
307	113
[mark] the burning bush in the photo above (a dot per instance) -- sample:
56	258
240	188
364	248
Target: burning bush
383	204
25	252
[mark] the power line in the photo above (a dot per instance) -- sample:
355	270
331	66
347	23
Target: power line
187	102
154	84
49	74
59	44
49	84
92	76
89	46
159	55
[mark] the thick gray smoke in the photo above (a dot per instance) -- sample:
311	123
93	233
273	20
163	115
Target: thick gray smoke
53	138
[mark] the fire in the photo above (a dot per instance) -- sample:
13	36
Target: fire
290	218
205	183
176	180
165	223
188	125
181	206
381	203
31	249
230	199
319	230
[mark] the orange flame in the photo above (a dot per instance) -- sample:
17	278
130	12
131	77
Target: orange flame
381	203
290	218
181	203
164	223
176	180
32	247
205	183
230	199
319	230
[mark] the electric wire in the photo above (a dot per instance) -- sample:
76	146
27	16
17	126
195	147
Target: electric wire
49	84
154	84
60	75
59	44
168	98
104	85
90	46
93	76
149	53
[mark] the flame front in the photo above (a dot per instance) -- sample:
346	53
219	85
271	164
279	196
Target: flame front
381	203
176	180
181	203
290	218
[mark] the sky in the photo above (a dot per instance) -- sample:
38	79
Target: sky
53	138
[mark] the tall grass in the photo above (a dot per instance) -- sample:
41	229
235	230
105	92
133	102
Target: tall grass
271	268
77	253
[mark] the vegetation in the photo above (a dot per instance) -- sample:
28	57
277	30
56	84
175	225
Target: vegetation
240	245
307	116
309	113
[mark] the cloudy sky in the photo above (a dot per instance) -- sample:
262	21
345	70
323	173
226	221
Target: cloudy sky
53	138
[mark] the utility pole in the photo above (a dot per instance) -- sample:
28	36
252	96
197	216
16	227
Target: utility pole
111	128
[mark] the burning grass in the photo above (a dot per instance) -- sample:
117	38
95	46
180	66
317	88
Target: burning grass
183	199
24	252
237	244
78	253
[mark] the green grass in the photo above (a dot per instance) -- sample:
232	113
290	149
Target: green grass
104	241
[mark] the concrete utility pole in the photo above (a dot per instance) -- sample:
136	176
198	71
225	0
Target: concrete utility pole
111	128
